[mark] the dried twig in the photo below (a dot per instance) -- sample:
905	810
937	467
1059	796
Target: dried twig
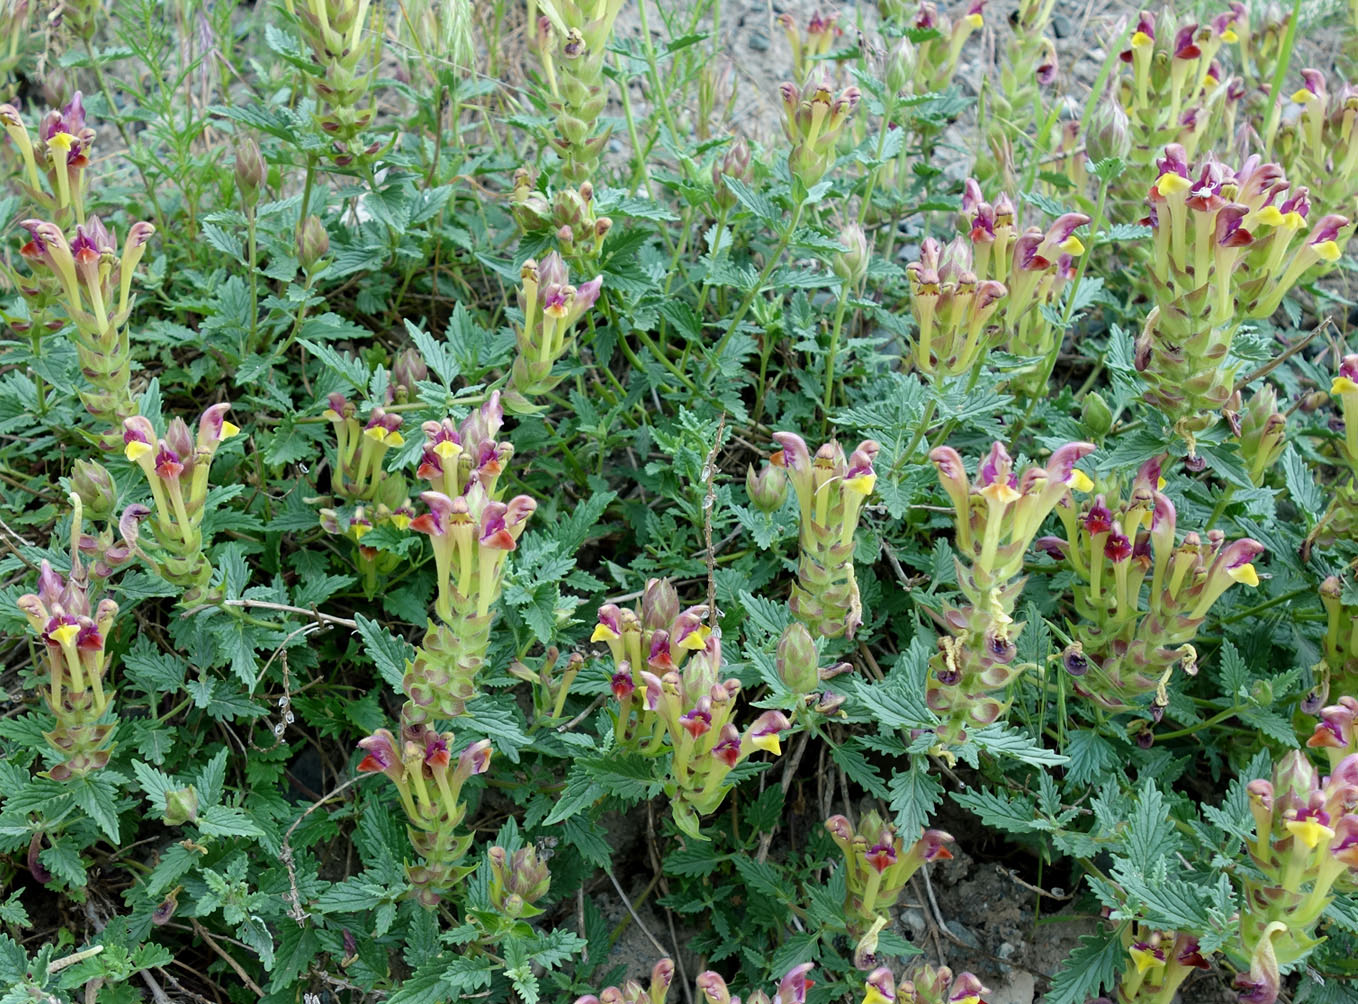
202	932
294	898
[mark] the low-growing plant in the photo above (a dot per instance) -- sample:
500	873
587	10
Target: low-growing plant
497	319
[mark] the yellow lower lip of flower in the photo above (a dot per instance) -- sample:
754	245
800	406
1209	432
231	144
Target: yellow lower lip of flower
400	520
696	639
1269	216
1303	96
136	449
330	414
1080	481
357	530
229	429
1140	40
1159	484
1229	36
1309	831
769	742
1144	959
875	996
1343	385
602	632
377	433
65	634
863	484
1170	183
1327	250
448	449
975	20
1209	81
968	999
1244	573
998	491
61	141
1072	246
1293	219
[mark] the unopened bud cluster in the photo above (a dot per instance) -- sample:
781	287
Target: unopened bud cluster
571	39
813	120
429	784
472	532
73	632
878	864
347	54
1261	431
1140	592
831	491
570	215
996	515
799	668
551	307
169	537
1228	246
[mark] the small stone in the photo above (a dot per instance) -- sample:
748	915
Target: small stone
759	42
1061	26
914	920
963	934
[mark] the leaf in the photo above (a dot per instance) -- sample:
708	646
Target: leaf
914	794
579	794
1010	815
1001	740
389	653
1090	968
1301	485
695	859
227	821
96	794
155	783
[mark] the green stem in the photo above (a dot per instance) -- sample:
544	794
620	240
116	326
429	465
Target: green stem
830	358
753	291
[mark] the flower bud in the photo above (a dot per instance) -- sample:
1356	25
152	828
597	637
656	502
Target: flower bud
659	605
900	66
95	487
408	369
181	806
796	659
1110	132
852	265
767	488
313	243
250	169
1096	416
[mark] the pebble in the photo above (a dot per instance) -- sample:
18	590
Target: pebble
759	42
914	920
963	934
1061	26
